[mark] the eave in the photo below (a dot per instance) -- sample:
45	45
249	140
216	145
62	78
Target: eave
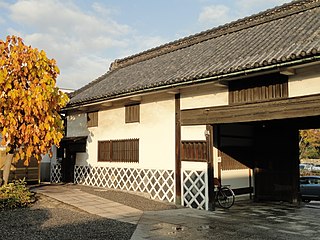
220	78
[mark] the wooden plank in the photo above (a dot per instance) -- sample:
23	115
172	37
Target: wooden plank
269	110
230	163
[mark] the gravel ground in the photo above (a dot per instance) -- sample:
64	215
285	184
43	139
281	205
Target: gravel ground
130	199
51	219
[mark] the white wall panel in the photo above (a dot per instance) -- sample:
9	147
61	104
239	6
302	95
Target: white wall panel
306	81
156	133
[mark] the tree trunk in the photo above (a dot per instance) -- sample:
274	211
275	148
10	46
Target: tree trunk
6	168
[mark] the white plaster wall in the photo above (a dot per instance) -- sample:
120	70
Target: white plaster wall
77	125
216	160
196	166
45	164
204	96
156	133
306	81
193	132
82	159
46	158
235	178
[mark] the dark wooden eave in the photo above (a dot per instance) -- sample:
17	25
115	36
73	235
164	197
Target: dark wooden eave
296	107
74	139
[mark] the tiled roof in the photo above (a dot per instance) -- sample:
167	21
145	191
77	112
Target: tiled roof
280	35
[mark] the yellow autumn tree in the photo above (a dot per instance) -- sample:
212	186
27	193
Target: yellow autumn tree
30	123
309	143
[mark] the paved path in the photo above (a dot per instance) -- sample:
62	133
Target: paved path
92	203
245	220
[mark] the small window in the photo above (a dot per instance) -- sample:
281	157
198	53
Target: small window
132	113
258	89
194	151
126	150
92	119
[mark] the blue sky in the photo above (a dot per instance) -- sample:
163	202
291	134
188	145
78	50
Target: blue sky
86	36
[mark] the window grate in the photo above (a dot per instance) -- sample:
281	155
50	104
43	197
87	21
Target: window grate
92	119
132	113
194	151
126	150
258	89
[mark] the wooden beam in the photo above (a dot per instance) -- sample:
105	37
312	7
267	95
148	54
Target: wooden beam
296	107
135	99
287	71
106	104
178	149
176	91
83	108
210	168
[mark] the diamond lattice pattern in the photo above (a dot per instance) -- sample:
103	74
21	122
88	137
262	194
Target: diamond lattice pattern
194	190
55	175
158	183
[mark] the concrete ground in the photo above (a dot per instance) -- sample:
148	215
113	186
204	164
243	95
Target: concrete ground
245	220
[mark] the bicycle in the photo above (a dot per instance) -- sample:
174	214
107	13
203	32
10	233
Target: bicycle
224	196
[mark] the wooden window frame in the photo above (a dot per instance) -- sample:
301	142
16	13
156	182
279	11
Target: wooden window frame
132	113
92	119
123	150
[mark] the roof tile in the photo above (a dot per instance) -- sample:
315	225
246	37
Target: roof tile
275	36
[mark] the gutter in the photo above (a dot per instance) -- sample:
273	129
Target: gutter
216	78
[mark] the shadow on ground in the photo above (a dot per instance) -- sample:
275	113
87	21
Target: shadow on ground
50	219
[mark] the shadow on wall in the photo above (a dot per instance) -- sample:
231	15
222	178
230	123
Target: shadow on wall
83	157
77	125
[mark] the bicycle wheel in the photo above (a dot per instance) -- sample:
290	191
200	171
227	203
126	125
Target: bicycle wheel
225	197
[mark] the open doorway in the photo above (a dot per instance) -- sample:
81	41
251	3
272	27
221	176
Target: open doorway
309	155
69	147
309	152
273	151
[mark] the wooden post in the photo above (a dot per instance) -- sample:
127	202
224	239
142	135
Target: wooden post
39	172
7	167
250	183
178	149
296	198
209	139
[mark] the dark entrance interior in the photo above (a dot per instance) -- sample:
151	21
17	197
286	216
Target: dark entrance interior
271	149
69	147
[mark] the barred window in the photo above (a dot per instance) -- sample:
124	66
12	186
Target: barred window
194	151
92	119
258	89
132	113
126	150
